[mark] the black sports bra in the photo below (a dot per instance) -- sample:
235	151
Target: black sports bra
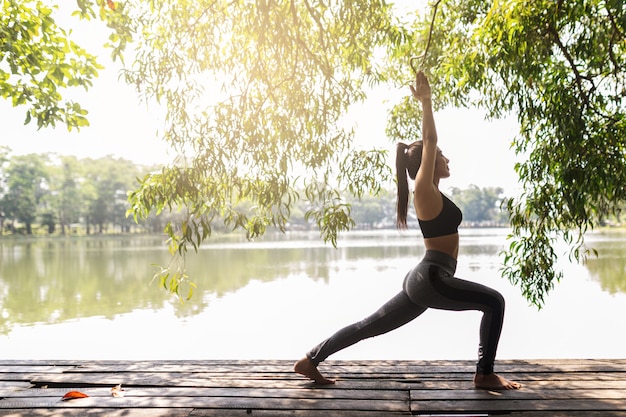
446	223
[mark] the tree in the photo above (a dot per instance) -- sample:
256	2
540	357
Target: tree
4	158
286	72
26	179
370	211
39	60
108	180
256	92
65	191
479	205
559	65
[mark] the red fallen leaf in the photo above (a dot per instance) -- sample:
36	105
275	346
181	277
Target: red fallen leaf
111	4
72	395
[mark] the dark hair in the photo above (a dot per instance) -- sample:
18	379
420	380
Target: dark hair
408	161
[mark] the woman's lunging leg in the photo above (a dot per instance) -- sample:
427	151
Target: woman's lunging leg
466	295
395	313
436	288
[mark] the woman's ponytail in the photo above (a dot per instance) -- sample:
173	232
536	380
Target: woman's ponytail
408	161
402	202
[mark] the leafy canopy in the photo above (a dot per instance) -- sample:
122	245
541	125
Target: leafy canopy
37	60
40	61
256	93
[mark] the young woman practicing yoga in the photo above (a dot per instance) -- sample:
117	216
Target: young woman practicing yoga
431	284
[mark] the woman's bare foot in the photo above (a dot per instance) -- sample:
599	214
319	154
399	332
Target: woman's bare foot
494	382
305	367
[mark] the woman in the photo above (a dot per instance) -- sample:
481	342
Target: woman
431	283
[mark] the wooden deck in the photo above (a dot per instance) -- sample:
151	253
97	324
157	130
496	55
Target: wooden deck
552	388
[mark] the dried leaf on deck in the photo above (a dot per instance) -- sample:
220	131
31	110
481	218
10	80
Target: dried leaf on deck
72	395
118	391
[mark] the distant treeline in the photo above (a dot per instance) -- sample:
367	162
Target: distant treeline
60	195
51	194
480	207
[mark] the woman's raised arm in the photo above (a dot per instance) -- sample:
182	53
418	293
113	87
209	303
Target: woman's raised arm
425	188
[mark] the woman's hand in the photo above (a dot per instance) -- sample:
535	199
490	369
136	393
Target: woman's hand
421	91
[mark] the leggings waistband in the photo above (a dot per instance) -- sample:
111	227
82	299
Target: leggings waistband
441	259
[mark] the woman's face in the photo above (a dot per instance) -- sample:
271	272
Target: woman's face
441	165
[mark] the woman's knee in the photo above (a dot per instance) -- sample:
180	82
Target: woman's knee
498	302
500	299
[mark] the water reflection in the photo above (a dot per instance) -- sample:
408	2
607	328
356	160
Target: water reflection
53	281
609	268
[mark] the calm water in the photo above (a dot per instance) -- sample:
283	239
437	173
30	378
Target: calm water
275	298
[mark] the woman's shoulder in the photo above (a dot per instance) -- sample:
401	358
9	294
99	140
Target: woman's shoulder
428	202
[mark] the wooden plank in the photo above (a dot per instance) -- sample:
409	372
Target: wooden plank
391	395
164	412
598	378
293	380
240	403
203	412
38	362
9	386
499	406
512	368
164	380
568	413
547	385
517	395
160	412
97	412
6	368
200	380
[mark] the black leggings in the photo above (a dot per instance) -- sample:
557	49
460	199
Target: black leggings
430	284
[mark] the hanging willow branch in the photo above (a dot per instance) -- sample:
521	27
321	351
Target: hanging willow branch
430	35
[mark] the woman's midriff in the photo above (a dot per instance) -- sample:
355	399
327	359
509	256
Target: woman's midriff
448	244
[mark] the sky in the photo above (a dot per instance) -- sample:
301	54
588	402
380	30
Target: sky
122	126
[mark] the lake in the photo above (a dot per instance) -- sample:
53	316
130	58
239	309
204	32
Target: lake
92	298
